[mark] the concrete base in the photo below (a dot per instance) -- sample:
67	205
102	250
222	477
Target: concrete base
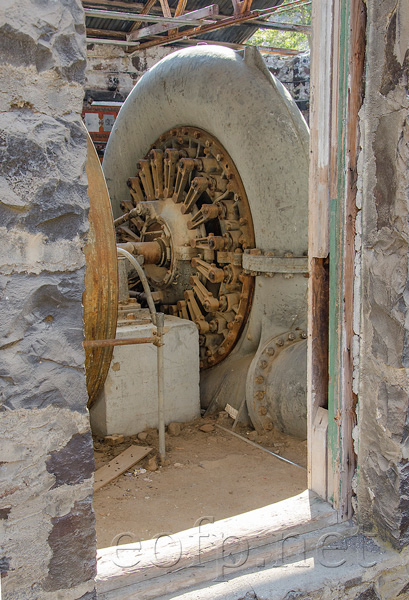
129	400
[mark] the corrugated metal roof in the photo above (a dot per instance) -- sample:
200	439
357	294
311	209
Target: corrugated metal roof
236	34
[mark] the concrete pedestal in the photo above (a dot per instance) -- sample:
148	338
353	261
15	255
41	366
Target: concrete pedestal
128	403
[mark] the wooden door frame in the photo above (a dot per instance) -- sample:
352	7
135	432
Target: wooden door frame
337	68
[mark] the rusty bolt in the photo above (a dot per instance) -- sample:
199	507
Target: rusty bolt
270	253
131	317
238	318
208	352
208	143
268	426
201	365
230	337
180	140
219	157
263	364
230	325
280	342
291	336
262	411
270	351
173	132
211	360
196	134
243	221
230	176
303	335
259	395
259	379
221	351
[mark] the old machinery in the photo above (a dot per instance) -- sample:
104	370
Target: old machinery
207	170
101	277
188	217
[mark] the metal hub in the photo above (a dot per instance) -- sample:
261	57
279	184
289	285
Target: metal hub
189	217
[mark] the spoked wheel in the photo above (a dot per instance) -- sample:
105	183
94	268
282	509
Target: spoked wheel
189	217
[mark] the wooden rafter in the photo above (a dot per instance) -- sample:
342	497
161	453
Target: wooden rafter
153	30
180	9
199	22
149	4
195	31
165	8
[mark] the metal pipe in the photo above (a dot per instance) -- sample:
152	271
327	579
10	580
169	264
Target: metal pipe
119	342
151	251
260	447
144	281
129	215
160	323
123	291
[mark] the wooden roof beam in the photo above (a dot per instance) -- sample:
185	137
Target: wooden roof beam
194	15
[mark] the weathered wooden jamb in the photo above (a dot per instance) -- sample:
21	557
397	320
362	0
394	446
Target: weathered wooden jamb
337	68
318	245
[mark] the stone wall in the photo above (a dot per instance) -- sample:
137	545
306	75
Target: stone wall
111	73
383	436
294	73
46	517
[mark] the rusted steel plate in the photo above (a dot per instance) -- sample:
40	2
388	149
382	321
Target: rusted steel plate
101	278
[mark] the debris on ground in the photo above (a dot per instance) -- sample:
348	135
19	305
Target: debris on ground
174	429
208	428
214	476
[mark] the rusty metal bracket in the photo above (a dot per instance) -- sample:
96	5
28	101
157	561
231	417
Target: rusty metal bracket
268	263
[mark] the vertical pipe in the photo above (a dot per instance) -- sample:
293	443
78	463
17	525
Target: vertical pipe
123	280
160	322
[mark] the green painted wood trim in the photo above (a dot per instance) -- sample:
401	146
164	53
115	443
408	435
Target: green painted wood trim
336	276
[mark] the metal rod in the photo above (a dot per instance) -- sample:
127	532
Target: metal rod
260	447
306	29
134	212
160	323
144	281
286	7
119	342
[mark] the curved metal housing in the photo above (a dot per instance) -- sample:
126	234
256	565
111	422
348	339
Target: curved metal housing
232	96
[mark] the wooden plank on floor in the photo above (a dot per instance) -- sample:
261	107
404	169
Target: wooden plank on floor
119	465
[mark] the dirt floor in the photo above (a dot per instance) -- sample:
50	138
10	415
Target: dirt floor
211	474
